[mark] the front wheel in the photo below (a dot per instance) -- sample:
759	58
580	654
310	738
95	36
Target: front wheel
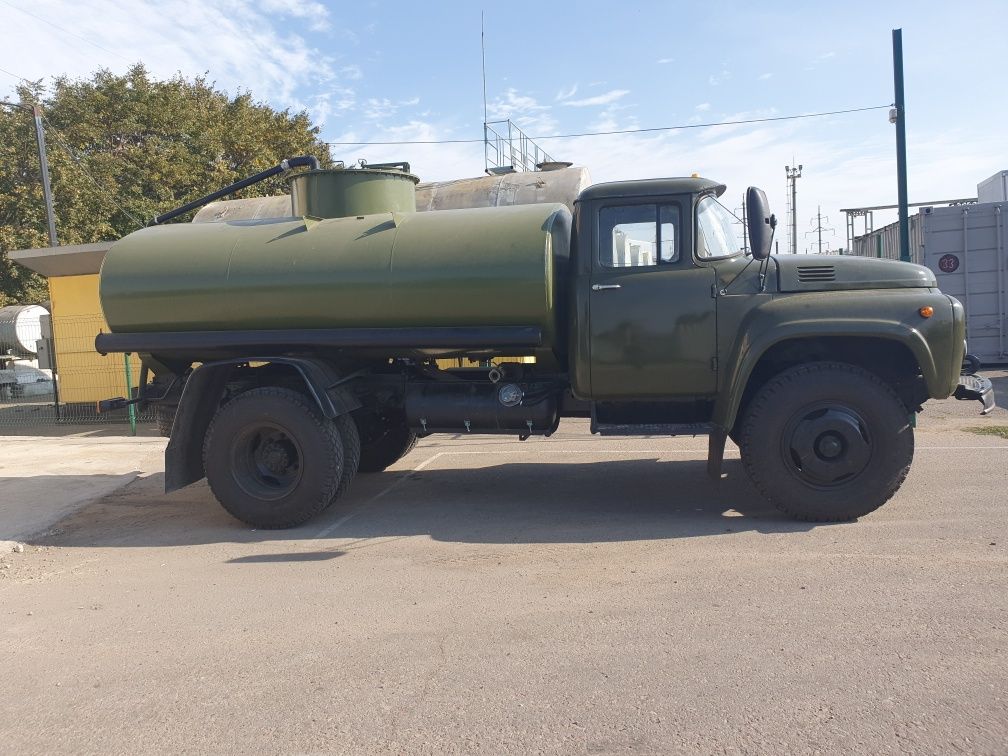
271	459
826	441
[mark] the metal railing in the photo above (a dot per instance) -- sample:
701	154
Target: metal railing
507	148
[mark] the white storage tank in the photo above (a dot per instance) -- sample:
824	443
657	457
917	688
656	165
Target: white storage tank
20	329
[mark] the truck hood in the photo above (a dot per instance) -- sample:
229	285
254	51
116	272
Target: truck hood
832	272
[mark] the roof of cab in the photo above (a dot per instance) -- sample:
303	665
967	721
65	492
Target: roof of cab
648	187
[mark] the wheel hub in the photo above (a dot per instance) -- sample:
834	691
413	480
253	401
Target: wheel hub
274	457
827	446
266	462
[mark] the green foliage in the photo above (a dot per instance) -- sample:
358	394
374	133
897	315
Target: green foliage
123	149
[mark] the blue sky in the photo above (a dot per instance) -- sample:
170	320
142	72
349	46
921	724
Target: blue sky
381	71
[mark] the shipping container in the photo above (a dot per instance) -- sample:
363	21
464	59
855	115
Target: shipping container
965	247
994	189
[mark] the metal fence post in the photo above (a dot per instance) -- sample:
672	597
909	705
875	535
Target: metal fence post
129	393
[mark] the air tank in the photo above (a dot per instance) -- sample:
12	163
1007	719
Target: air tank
478	267
21	328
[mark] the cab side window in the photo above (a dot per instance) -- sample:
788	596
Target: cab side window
636	236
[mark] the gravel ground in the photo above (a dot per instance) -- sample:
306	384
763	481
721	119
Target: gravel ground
569	595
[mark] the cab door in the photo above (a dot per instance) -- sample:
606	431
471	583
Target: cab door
652	326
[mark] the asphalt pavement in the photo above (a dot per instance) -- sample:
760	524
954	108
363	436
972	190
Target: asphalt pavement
566	595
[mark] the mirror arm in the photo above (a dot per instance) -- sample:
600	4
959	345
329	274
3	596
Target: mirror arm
765	262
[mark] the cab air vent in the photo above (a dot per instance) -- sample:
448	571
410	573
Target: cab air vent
816	273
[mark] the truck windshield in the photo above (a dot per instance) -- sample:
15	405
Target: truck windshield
719	232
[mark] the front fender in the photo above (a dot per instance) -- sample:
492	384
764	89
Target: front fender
888	314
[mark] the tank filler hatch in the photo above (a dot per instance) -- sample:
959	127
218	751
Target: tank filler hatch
346	192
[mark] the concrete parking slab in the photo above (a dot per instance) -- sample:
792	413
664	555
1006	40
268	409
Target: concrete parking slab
43	479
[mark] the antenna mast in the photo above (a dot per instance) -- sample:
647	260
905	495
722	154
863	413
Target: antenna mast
483	53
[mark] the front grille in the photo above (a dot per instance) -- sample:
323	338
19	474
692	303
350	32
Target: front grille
816	273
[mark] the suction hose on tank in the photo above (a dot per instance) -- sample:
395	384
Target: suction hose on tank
309	161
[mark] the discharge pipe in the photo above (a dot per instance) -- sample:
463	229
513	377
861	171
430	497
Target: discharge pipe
309	161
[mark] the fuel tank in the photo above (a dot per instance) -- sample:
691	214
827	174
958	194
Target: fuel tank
496	266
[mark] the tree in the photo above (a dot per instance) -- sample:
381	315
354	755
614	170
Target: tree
123	149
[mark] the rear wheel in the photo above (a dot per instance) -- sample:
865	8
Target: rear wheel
272	460
384	440
827	441
347	430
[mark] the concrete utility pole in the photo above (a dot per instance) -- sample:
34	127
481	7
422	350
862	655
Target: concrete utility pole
793	174
36	112
44	165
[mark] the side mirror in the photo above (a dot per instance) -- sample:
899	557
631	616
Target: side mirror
760	222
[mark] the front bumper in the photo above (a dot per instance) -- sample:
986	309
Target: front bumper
976	387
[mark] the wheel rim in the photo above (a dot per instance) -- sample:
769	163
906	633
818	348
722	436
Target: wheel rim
266	461
826	445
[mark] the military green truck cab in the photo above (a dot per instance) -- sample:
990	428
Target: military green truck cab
287	356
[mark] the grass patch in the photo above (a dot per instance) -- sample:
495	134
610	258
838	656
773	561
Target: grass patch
1000	431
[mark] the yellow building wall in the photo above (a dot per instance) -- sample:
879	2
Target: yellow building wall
84	375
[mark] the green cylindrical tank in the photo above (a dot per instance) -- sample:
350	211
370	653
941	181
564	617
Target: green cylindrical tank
479	267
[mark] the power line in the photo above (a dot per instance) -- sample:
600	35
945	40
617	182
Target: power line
66	31
19	78
680	127
59	139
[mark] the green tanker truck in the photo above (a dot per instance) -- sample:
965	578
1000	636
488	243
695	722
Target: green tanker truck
288	355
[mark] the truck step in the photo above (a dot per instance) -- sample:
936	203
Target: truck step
652	429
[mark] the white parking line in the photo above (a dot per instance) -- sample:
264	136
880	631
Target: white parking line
326	531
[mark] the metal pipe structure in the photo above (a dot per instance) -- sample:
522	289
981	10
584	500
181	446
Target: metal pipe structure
966	270
999	250
901	162
309	161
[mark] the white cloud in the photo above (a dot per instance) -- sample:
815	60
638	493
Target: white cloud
380	108
317	13
512	102
703	107
567	94
237	42
663	61
765	76
719	78
524	110
352	72
603	99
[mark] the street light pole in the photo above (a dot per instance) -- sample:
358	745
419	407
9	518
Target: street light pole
901	161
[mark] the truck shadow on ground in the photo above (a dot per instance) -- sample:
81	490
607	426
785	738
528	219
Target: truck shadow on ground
549	502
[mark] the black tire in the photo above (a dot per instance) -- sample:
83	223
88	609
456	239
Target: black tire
384	441
164	416
347	430
272	460
827	442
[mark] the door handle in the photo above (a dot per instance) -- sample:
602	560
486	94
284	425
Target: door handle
601	287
